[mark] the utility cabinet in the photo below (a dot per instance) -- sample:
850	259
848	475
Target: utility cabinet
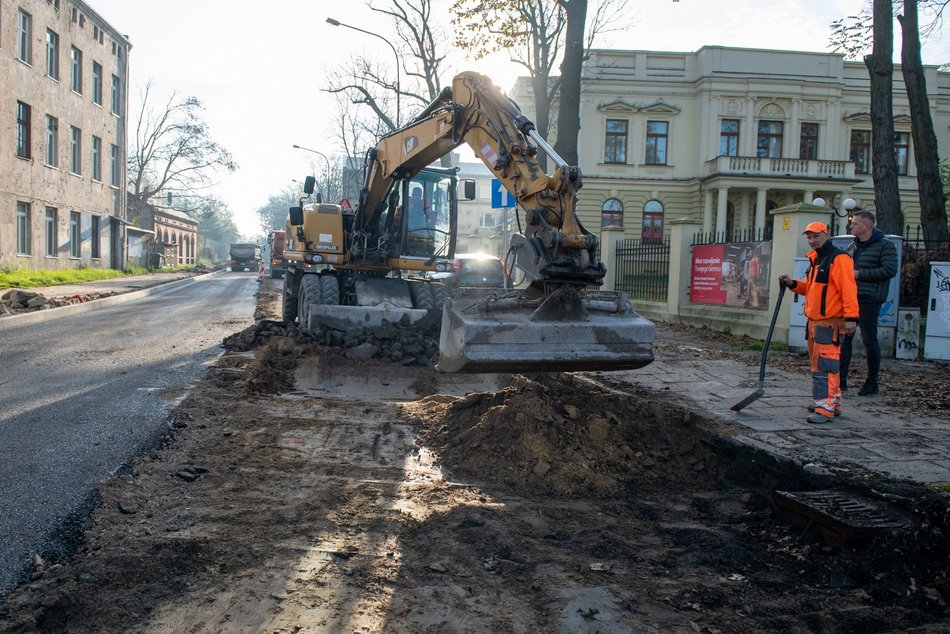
937	338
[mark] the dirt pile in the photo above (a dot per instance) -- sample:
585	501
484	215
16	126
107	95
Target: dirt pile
557	434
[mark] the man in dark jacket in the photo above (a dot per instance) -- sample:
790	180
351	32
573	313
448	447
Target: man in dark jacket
875	263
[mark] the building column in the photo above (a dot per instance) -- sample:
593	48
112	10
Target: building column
722	211
795	134
760	211
681	236
748	138
707	212
808	197
744	204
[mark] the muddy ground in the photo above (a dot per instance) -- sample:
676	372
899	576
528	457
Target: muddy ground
303	491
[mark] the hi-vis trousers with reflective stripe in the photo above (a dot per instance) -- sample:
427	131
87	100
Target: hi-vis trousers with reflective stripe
825	354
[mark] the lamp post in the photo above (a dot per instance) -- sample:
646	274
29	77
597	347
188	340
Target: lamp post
848	205
390	44
306	149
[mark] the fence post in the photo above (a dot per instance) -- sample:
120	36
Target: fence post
682	231
608	255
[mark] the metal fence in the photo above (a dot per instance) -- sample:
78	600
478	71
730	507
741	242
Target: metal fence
643	268
725	237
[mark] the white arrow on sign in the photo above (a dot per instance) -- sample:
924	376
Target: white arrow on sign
507	200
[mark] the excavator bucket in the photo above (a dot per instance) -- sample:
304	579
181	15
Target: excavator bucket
569	331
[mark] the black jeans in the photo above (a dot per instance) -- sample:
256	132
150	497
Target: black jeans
867	322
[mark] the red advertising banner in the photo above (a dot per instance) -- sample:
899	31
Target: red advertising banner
705	286
732	274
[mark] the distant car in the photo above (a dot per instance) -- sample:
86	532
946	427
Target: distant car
478	270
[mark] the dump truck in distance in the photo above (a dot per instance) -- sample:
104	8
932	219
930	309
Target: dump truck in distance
276	241
245	256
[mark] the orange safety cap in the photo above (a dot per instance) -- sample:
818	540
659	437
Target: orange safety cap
816	227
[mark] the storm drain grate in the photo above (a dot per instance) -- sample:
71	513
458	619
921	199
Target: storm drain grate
838	515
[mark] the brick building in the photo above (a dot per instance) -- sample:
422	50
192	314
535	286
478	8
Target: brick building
64	72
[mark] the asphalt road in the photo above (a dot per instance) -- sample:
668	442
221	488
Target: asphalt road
81	395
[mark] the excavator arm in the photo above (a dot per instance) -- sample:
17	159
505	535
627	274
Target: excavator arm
560	321
554	247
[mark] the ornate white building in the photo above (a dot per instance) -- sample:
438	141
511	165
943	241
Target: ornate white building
722	135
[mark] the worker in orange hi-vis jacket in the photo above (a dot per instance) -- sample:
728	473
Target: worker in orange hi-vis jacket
831	306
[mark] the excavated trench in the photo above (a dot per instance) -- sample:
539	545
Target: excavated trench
341	492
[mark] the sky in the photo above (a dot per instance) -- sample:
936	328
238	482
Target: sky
259	69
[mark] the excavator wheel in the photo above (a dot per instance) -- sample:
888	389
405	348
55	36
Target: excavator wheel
438	296
329	290
421	295
310	293
289	300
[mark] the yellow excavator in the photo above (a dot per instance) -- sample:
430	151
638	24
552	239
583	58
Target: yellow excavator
354	267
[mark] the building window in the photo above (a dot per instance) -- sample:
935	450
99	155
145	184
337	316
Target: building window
23	124
729	137
653	221
901	151
769	142
861	151
52	231
809	142
611	213
115	95
615	141
657	132
76	59
94	231
114	164
96	158
52	141
97	83
75	226
24	42
75	150
487	221
22	228
52	54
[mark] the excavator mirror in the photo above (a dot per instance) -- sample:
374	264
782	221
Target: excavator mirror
296	215
308	185
468	189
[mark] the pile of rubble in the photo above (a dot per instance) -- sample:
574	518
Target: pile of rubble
391	342
18	301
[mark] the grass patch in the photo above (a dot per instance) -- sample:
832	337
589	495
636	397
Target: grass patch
25	278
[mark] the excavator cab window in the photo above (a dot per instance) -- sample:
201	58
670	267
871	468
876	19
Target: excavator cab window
427	204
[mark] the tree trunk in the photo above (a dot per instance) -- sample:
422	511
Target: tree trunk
568	116
883	162
933	211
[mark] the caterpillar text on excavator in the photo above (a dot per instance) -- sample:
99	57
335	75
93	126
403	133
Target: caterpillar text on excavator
349	268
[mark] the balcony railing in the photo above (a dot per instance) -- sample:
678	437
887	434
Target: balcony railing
760	166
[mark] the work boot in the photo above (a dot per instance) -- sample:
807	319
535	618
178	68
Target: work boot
811	408
868	389
817	419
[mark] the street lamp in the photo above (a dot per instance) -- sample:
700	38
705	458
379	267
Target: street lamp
390	44
306	149
848	205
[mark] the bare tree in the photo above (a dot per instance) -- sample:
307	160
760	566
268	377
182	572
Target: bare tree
215	226
540	35
853	36
172	149
883	161
273	214
366	83
933	202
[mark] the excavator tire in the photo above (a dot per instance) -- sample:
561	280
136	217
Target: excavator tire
421	295
289	303
329	290
438	296
310	293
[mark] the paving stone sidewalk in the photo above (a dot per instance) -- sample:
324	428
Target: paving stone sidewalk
897	445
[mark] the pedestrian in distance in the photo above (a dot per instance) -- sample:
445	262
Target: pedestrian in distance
831	306
875	263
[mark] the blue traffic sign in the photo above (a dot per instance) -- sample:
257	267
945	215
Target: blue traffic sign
500	197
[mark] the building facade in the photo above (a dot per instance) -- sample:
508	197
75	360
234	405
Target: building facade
64	72
172	234
723	135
